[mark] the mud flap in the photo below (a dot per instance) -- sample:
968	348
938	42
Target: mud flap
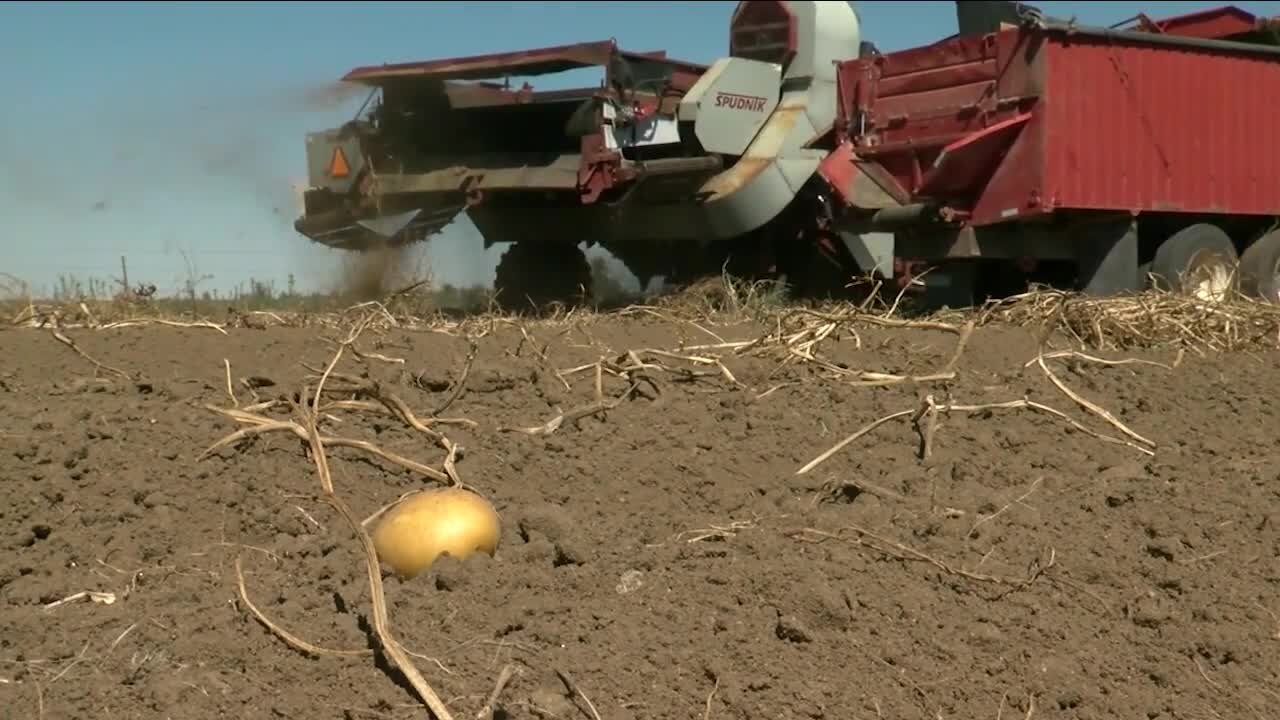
872	251
1107	258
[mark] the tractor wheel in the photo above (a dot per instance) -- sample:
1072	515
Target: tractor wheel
1260	268
533	276
1199	260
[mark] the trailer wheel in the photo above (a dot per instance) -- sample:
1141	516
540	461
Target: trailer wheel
1199	260
532	276
1260	268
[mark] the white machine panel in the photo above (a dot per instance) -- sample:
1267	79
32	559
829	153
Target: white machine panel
652	130
731	102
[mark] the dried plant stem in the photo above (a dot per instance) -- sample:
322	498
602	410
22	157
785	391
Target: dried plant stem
862	316
833	488
1017	501
392	402
706	713
231	393
576	690
859	433
1040	407
382	510
395	653
948	371
370	406
926	421
400	409
575	414
631	362
1103	361
262	425
298	643
932	409
491	704
461	383
1091	407
903	552
310	411
292	640
135	322
966	333
1152	318
803	344
98	367
365	355
541	353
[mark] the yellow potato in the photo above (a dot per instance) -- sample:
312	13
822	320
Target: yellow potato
419	529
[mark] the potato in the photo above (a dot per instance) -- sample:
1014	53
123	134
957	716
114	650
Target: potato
420	528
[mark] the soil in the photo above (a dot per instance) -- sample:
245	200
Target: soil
666	555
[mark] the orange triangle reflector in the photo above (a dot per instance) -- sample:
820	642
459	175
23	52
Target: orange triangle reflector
338	166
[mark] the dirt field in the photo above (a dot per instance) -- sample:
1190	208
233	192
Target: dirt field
664	556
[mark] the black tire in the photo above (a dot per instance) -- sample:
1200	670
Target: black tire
1260	268
533	276
1196	256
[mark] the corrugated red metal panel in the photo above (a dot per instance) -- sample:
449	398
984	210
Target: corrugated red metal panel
1133	126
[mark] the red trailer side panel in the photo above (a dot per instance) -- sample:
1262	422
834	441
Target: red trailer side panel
1104	121
1157	127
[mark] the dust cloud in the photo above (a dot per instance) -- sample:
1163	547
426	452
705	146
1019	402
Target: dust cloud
376	273
230	163
322	97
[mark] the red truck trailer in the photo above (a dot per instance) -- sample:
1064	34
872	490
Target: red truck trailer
1034	149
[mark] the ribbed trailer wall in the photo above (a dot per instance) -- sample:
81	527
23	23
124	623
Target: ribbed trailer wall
1026	121
1159	127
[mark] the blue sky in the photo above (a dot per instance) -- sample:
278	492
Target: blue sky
171	132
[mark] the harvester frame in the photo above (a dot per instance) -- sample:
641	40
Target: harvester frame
809	156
